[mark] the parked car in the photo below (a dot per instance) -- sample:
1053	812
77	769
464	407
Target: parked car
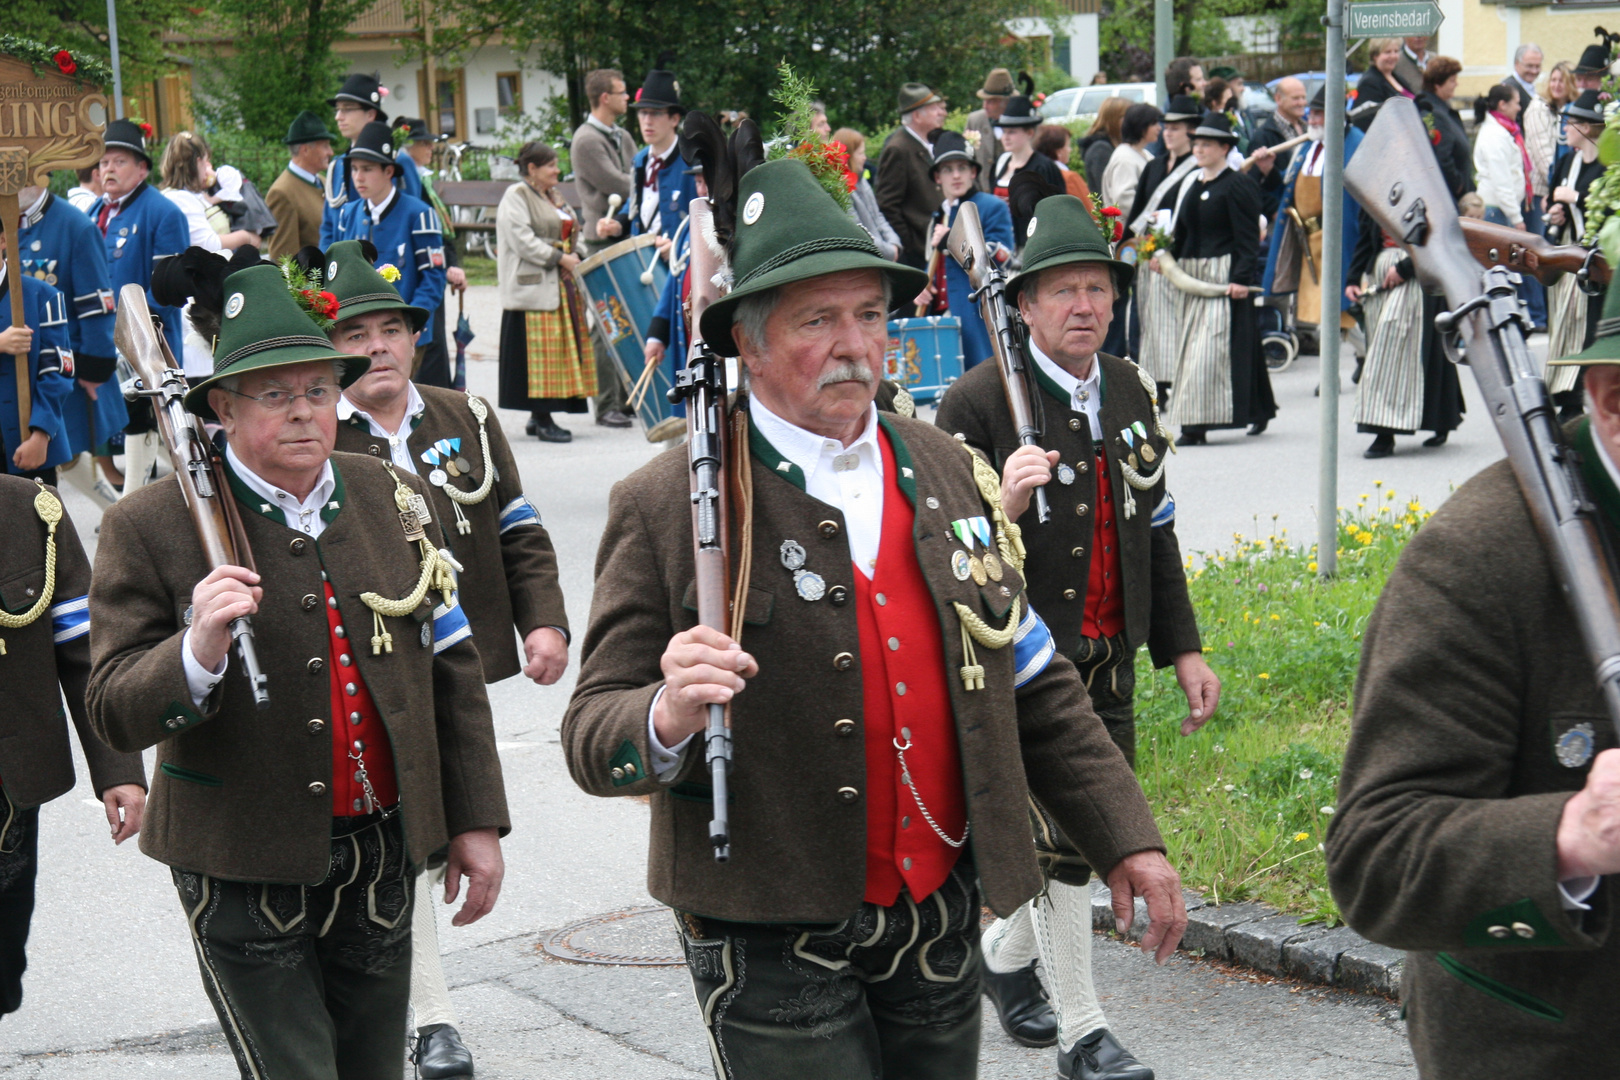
1076	101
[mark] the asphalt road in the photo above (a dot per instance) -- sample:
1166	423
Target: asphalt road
113	989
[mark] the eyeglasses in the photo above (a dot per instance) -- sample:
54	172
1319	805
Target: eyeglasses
275	401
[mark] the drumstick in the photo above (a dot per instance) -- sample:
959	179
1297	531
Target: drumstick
1279	148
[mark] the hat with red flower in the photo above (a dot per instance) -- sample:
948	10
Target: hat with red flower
127	135
1065	230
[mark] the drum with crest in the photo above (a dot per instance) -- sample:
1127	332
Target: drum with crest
924	355
621	285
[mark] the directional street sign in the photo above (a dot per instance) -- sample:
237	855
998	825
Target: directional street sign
1393	18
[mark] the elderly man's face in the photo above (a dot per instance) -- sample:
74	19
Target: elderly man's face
1528	66
819	365
1291	99
283	437
1068	311
927	118
121	173
387	338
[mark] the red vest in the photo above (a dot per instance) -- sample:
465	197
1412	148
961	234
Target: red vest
904	685
357	727
1105	604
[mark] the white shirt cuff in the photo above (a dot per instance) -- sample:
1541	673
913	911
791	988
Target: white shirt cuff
655	341
1575	893
664	760
199	680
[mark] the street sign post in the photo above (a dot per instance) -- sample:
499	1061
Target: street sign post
1393	18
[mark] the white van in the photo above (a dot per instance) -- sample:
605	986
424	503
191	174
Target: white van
1076	101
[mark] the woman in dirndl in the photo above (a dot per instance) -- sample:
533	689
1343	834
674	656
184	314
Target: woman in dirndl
1221	379
547	364
1571	316
1153	214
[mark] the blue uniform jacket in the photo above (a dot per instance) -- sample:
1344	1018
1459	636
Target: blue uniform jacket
61	247
148	228
1352	215
50	363
340	191
676	191
669	317
407	236
998	229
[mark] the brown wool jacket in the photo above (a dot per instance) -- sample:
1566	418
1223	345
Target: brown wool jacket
906	192
510	575
1158	611
798	846
1473	681
243	794
36	758
297	206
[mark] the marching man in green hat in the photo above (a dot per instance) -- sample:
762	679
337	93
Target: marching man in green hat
508	570
295	832
893	698
1105	572
1478	823
296	197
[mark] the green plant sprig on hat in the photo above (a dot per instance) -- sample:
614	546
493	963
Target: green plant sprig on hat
305	286
827	161
1603	197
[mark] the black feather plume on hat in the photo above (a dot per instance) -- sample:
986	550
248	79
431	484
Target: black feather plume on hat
724	163
197	276
1027	81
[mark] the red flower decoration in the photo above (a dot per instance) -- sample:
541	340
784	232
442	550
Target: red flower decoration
146	129
1110	211
64	62
328	305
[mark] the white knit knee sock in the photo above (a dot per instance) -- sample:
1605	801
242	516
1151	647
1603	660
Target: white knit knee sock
1063	929
430	997
1009	944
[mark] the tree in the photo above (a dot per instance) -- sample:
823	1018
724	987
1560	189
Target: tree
80	26
279	60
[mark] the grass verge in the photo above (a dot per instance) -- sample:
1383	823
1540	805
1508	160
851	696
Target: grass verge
1244	803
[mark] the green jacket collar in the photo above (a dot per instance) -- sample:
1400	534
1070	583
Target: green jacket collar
1597	475
254	503
774	462
1062	396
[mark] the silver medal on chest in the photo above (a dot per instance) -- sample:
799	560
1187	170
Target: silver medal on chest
1065	473
793	554
809	585
1575	746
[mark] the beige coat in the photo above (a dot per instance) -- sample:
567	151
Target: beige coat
526	265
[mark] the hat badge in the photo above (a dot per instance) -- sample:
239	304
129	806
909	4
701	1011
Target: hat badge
387	149
676	84
754	207
331	270
374	95
1031	230
233	306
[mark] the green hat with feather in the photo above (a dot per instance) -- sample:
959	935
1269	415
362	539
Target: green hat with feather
362	288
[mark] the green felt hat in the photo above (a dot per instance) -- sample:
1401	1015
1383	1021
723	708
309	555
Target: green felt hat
1063	232
1605	348
262	326
789	229
361	289
307	127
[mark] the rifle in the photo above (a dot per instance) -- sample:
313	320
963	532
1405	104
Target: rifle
1394	176
967	246
702	385
198	466
1526	252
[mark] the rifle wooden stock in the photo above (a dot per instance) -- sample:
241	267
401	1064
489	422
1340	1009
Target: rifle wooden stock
967	246
1527	253
702	385
1395	177
198	467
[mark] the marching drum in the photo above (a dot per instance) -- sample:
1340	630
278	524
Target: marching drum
621	286
924	355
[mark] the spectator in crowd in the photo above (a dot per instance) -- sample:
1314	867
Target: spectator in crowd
1451	145
1100	79
1139	128
986	122
1538	126
295	198
84	195
1098	145
546	363
1527	61
1233	78
1501	162
1378	83
863	201
1184	75
187	176
818	119
1019	121
1571	318
1560	89
1287	122
1053	141
906	192
1412	62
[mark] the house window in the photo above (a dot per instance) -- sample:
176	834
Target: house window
509	94
451	100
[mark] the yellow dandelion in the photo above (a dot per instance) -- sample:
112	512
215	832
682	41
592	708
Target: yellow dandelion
1301	836
1311	566
1276	618
1263	675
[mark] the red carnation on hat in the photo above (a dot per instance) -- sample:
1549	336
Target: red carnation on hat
328	305
1110	211
146	129
64	62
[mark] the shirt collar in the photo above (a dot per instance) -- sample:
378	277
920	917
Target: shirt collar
918	137
285	501
606	129
1091	384
380	209
808	450
303	173
414	408
32	214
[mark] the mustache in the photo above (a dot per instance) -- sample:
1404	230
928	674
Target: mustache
845	372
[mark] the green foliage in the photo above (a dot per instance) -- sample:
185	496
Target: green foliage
280	62
1245	802
88	67
80	26
796	138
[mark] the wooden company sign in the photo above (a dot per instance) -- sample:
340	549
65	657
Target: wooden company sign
48	121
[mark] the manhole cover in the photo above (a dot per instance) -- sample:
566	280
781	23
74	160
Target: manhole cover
640	937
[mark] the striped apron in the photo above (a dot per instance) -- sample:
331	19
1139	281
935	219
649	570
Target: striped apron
1156	302
1203	379
1390	394
1566	330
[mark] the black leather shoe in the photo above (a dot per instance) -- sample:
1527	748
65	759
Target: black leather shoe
1258	427
1099	1056
614	419
532	427
1438	439
552	433
1193	437
440	1055
1382	446
1022	1007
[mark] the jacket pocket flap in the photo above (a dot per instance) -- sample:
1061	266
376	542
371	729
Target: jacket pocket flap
22	590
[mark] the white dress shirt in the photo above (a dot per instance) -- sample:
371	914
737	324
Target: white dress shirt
650	221
397	448
1085	395
301	514
846	478
303	173
376	210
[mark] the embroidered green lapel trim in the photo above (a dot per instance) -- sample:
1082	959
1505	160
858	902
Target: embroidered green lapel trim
773	461
251	499
1597	477
902	459
1064	398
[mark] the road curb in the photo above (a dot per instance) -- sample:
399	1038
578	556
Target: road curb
1266	940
